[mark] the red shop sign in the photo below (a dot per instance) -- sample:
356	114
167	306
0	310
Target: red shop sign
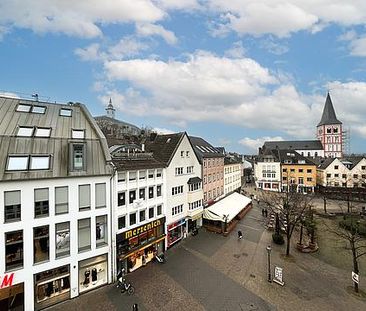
6	280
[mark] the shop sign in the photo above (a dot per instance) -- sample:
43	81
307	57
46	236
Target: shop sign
278	276
355	277
176	224
6	280
144	228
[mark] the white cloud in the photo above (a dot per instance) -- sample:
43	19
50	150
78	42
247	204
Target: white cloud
236	51
78	18
127	47
358	46
90	53
254	144
178	4
163	130
148	29
273	47
281	18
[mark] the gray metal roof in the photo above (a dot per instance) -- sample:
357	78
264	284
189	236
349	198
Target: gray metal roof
295	145
56	145
204	150
328	116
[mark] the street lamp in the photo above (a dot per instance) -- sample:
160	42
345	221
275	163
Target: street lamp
269	262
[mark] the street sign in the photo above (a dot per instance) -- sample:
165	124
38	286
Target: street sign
355	277
278	276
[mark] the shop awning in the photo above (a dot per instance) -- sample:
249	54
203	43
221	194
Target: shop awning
228	207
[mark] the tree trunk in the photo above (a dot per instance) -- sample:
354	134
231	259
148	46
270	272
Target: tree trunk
288	246
301	232
325	204
355	263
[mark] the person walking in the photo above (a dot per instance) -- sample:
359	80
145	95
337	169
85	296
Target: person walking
240	235
135	307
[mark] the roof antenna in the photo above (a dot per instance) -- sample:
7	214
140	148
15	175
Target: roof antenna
35	95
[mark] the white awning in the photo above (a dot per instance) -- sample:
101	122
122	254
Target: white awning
228	207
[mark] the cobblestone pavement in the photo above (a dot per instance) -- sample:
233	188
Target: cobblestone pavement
211	272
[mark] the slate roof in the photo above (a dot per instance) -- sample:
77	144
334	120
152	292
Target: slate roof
164	146
194	180
325	163
203	149
127	164
232	160
349	160
288	154
294	145
329	116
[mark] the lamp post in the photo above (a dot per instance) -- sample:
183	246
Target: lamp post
269	262
225	220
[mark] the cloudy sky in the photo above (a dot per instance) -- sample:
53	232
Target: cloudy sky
235	72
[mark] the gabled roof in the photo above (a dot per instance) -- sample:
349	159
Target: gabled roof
329	116
325	163
203	149
294	144
164	146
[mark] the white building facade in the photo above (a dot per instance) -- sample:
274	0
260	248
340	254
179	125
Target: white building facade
232	176
267	172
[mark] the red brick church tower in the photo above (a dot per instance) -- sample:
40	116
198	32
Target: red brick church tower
329	131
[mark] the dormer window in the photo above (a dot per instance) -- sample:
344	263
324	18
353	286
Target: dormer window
78	157
39	163
23	108
17	163
64	112
25	131
42	132
38	109
78	134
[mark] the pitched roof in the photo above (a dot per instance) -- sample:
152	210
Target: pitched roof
294	144
164	146
127	164
203	149
329	116
286	155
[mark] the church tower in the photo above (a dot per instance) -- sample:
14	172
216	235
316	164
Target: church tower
110	109
329	131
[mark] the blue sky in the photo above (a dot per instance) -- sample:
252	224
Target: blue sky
234	72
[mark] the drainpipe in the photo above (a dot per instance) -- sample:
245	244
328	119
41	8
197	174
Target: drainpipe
112	235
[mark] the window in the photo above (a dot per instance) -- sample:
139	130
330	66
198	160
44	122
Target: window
121	176
151	174
363	176
151	212
355	176
61	200
344	175
12	211
41	244
158	191
177	209
121	222
41	203
142	215
205	196
335	130
329	175
329	130
316	154
78	134
187	154
132	194
25	131
23	108
182	154
151	192
121	198
159	210
13	250
204	180
301	170
65	112
194	187
336	175
100	195
179	171
101	232
355	185
84	240
284	170
363	167
42	132
142	175
292	170
17	163
309	179
284	178
62	239
132	176
335	167
177	190
39	109
142	193
78	157
158	173
84	197
132	219
39	163
309	171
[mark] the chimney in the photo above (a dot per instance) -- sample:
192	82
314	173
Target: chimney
143	147
259	150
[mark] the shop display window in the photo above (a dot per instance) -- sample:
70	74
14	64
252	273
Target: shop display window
14	250
62	239
101	230
92	273
41	244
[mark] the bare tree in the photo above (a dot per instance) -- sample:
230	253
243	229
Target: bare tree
291	206
349	229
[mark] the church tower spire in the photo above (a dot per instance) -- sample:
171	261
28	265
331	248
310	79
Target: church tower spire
329	131
110	109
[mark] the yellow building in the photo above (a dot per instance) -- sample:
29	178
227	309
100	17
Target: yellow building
297	171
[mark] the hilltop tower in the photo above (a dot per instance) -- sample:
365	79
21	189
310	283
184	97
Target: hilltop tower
110	109
329	131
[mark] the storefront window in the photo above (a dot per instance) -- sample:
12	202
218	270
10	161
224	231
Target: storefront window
62	239
92	273
14	249
101	230
41	244
52	286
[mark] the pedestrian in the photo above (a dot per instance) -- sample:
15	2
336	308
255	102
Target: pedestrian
135	307
265	212
240	235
